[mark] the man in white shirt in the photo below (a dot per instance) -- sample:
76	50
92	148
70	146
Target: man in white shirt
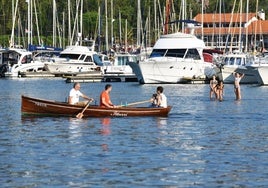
74	95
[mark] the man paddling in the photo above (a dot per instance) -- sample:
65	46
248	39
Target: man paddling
74	95
105	100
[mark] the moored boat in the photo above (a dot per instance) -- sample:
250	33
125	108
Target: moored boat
14	61
174	57
262	73
42	107
75	59
236	62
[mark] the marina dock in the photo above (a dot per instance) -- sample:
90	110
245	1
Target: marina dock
102	78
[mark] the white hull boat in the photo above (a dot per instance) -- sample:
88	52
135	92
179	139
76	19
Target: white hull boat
17	61
175	57
236	62
263	75
119	64
74	60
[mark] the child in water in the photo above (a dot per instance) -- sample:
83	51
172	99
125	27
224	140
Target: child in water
219	90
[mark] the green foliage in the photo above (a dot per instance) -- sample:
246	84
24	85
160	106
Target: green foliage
127	9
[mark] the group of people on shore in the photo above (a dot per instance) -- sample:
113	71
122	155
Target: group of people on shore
157	100
216	87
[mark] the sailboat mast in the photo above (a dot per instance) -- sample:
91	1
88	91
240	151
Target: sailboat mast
81	18
240	27
112	22
29	22
69	23
138	23
126	44
166	27
106	27
13	24
255	37
37	24
54	22
246	47
99	30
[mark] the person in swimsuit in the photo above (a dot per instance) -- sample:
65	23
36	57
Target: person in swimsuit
237	79
219	90
212	84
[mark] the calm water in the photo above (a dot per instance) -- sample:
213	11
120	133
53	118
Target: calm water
202	143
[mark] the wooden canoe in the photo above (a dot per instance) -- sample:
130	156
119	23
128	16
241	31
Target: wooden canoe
36	106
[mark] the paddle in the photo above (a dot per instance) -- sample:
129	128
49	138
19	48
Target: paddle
135	103
80	115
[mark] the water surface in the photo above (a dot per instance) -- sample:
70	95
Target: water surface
202	143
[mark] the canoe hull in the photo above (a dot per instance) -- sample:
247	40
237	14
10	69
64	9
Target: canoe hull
35	106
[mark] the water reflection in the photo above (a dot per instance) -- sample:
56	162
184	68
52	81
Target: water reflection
76	127
105	131
161	121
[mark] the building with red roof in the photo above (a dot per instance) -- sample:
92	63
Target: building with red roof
245	32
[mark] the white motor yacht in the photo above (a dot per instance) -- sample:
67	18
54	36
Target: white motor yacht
15	61
74	60
175	57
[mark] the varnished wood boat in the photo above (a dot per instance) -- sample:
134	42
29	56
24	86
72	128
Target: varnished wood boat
36	106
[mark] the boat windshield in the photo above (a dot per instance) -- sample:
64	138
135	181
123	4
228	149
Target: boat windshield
179	53
82	57
175	53
158	53
88	59
192	54
14	58
69	56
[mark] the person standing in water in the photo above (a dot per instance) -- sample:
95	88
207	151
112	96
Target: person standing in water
213	90
237	79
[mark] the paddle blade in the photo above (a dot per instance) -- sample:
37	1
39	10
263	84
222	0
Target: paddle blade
80	115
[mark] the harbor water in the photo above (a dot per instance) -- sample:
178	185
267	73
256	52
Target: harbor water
202	143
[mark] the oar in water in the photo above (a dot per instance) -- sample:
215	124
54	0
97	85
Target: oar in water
80	115
135	103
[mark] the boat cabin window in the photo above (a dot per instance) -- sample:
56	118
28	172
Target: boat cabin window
175	53
88	59
234	61
26	59
158	53
192	54
179	53
69	56
82	57
239	61
122	60
229	61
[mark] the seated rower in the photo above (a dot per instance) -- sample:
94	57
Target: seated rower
74	95
105	100
159	99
